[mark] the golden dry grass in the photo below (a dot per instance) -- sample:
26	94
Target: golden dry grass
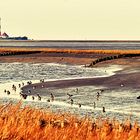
35	124
50	50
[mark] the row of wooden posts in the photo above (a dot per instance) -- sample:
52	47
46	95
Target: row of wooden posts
18	53
90	65
111	58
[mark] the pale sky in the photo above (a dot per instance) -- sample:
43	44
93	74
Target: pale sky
71	19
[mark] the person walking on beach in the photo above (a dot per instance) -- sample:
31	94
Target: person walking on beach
8	92
52	97
19	85
42	81
71	101
29	82
79	105
98	95
48	100
23	95
77	90
103	109
22	84
70	95
14	87
39	97
33	97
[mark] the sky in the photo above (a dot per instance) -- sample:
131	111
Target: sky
71	19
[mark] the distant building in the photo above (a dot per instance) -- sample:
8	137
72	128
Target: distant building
5	36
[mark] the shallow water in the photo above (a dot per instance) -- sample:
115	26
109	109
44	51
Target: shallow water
50	71
73	45
119	103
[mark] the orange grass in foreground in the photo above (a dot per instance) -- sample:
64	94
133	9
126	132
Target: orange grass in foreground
50	50
35	124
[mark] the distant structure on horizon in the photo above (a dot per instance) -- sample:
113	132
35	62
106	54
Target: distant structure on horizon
5	36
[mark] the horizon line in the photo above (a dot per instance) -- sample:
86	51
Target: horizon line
75	40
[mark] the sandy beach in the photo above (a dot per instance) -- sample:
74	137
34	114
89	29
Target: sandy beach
130	80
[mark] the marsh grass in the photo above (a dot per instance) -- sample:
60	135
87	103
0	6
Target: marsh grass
50	50
34	124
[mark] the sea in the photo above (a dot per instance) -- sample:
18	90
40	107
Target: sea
119	103
106	45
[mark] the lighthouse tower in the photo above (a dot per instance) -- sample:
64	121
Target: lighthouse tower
0	26
3	35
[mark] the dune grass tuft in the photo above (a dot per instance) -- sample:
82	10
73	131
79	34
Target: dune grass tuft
51	50
34	124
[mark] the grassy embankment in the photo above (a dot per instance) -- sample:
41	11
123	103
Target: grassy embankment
103	55
49	50
28	123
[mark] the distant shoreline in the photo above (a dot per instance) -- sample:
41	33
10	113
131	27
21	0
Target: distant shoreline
109	41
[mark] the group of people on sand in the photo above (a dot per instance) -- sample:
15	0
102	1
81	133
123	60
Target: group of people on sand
99	93
7	91
71	100
98	96
14	88
24	95
79	104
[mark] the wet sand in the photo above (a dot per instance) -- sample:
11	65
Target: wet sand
130	80
127	81
64	58
68	58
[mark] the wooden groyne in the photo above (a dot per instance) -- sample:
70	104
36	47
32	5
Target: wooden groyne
18	53
111	58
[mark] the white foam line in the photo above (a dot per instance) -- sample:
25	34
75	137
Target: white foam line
15	95
92	108
59	103
123	112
